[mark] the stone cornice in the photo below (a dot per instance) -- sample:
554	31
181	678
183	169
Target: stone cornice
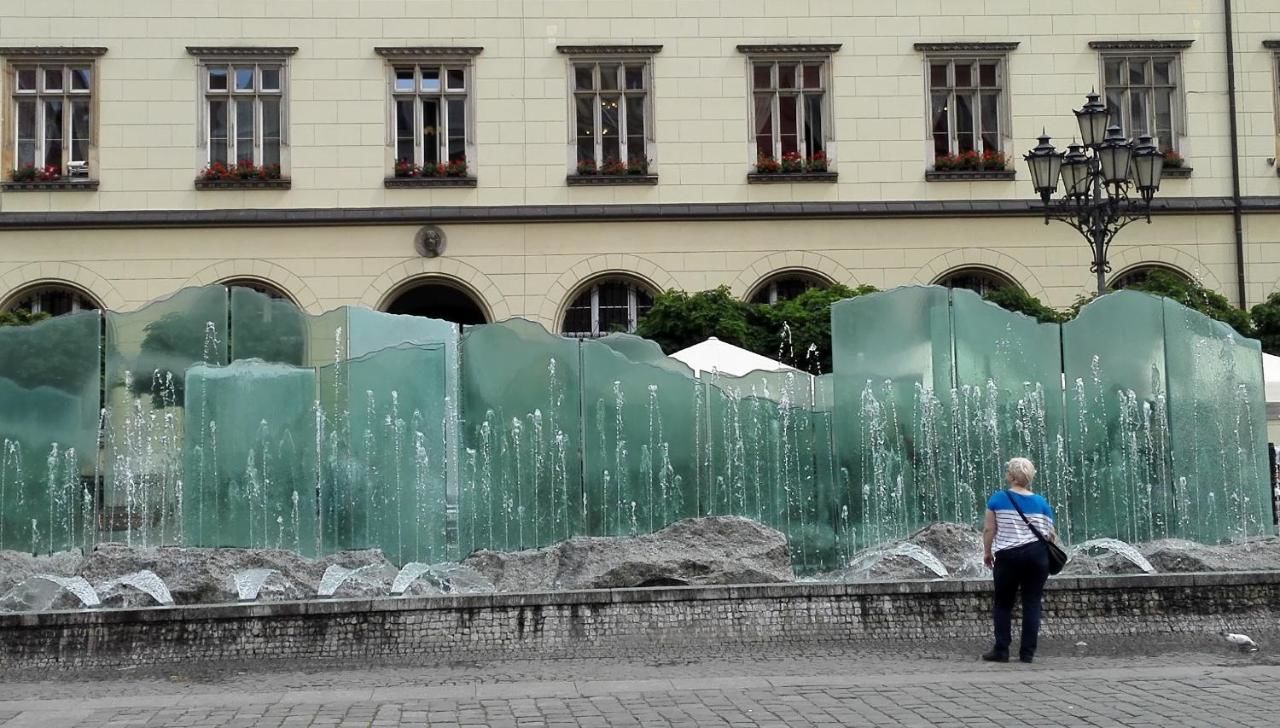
1272	44
611	49
967	47
590	213
790	49
409	52
1140	45
242	51
53	51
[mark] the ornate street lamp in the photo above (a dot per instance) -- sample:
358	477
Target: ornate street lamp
1096	176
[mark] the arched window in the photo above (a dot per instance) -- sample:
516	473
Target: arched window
262	287
786	286
609	305
437	298
53	299
979	280
1140	273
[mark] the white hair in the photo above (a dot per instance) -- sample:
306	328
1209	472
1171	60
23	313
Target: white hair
1022	470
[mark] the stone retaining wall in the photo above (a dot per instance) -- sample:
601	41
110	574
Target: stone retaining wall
604	622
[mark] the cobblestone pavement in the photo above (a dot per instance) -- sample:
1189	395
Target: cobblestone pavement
1191	682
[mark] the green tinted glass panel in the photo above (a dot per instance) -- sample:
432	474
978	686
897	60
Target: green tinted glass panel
1007	403
893	362
520	482
1220	476
273	330
49	384
640	454
148	352
396	486
249	454
1118	444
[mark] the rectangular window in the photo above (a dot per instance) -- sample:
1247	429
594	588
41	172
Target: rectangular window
244	124
53	113
430	109
611	114
789	108
966	106
1142	95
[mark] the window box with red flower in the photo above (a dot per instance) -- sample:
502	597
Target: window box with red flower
30	178
1175	166
612	172
243	176
970	166
792	168
451	174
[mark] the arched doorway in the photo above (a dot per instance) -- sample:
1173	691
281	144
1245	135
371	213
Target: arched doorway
612	304
786	285
438	299
979	280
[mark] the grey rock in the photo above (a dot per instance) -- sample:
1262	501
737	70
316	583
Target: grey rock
1175	555
954	546
701	551
206	576
1099	564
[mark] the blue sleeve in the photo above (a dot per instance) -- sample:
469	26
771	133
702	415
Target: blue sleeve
1048	509
991	502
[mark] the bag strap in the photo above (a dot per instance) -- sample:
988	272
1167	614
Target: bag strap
1009	494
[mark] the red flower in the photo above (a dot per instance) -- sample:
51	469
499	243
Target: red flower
766	164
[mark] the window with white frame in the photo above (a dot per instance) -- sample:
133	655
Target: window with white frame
1143	95
607	306
611	112
244	112
790	114
966	100
430	112
53	118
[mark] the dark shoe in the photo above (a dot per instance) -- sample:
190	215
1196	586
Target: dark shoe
994	656
1027	659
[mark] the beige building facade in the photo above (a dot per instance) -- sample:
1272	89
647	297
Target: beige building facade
562	160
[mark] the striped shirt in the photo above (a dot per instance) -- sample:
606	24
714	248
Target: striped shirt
1011	530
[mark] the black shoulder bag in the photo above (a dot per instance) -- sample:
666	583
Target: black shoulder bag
1057	557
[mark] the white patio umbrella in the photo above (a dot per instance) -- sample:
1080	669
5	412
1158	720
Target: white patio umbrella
714	355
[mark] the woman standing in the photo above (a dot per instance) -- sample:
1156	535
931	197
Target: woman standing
1017	557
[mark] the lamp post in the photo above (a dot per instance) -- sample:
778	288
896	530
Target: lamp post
1097	178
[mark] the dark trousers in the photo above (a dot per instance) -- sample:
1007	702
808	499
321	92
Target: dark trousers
1024	567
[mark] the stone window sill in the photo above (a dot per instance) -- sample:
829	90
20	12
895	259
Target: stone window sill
243	184
396	183
769	178
970	175
1176	172
604	180
60	185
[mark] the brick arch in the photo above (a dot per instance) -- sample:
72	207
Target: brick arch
1131	257
463	276
559	295
994	260
770	265
70	274
270	273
